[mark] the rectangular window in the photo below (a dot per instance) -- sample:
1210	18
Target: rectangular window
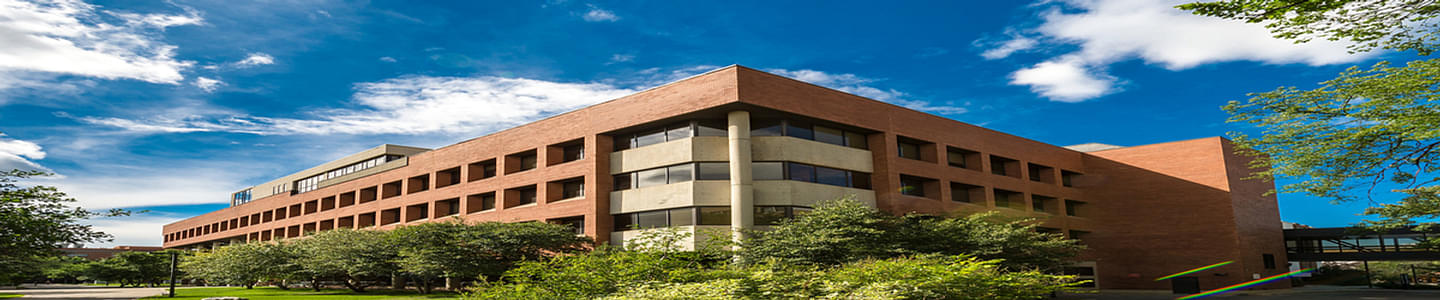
528	162
960	192
576	223
624	222
856	140
1067	178
649	138
768	170
653	219
1269	260
573	152
648	178
623	181
800	172
767	128
769	215
1009	199
1004	166
1074	208
572	189
682	216
799	130
681	173
909	150
527	196
860	180
912	186
829	135
830	176
678	132
711	128
961	158
712	171
717	215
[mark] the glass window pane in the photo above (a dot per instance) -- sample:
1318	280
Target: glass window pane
650	178
799	172
652	219
649	138
624	222
716	215
713	171
769	215
799	211
623	142
682	216
829	135
765	128
711	128
799	130
908	150
856	140
622	181
677	132
912	187
860	180
768	171
681	173
831	176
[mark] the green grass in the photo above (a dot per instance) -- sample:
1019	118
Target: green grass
272	293
9	295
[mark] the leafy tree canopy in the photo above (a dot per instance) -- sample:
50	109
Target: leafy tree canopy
1388	24
37	219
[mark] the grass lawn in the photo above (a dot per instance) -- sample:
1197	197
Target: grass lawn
268	293
9	295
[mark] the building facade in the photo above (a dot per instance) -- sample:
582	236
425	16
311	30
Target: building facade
737	147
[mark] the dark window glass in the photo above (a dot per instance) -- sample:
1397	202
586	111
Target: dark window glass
1269	260
908	150
830	176
575	223
623	142
677	132
856	140
572	189
768	171
712	171
1078	235
681	173
682	216
1079	271
860	180
649	138
649	178
527	196
623	181
766	128
711	128
624	222
1038	204
652	219
769	215
528	162
574	152
1072	207
799	172
912	186
955	158
488	170
829	135
487	201
714	216
799	211
799	130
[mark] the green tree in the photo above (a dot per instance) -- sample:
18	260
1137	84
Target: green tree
835	232
141	267
453	249
37	219
242	264
1387	24
350	256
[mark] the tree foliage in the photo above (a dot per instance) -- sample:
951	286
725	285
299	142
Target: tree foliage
242	264
453	249
844	230
37	219
1387	24
353	257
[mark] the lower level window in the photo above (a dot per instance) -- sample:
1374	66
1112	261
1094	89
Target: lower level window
703	215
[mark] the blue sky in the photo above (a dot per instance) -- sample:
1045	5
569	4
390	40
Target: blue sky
170	106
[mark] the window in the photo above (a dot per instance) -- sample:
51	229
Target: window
829	135
479	202
1067	178
652	177
712	171
528	162
913	186
391	189
961	158
1074	208
799	130
653	219
1079	235
677	132
966	193
1041	173
1043	204
418	184
624	181
576	223
1009	199
770	215
1004	166
649	138
482	170
856	140
768	170
572	189
860	180
767	128
572	153
909	150
1269	260
240	197
520	196
681	173
831	176
447	207
714	216
801	172
711	128
313	182
527	196
520	162
447	177
671	132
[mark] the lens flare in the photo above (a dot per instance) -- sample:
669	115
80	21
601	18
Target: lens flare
1243	285
1194	270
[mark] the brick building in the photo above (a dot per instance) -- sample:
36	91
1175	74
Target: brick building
737	147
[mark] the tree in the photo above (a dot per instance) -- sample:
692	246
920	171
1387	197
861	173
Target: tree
844	230
142	267
1387	24
1367	128
37	219
242	264
453	249
350	256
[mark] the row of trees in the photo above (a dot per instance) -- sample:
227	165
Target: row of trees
125	268
424	253
35	220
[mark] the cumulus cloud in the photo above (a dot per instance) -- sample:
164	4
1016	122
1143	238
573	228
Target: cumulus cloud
596	14
388	59
1110	31
17	154
137	230
854	84
255	59
405	105
207	84
142	186
71	37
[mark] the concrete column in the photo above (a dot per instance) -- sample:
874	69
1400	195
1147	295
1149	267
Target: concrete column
742	189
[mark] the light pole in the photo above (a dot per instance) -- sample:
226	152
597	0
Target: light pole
174	257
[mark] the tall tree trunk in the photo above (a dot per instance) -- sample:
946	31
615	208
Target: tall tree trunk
425	285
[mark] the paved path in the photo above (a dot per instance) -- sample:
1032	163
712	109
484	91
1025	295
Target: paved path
81	292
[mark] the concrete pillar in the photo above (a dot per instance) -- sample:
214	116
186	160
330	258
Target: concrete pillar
742	189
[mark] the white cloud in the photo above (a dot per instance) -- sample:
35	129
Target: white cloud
1064	81
405	105
142	186
1110	31
387	59
851	83
17	154
619	58
255	59
596	14
135	230
70	37
1014	44
207	84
